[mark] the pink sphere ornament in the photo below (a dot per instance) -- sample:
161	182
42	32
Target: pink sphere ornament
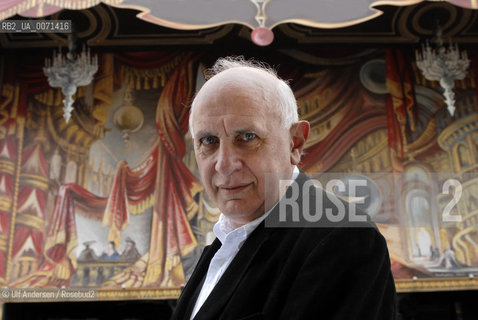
469	4
262	36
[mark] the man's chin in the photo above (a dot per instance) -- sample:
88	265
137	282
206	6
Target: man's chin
234	208
242	214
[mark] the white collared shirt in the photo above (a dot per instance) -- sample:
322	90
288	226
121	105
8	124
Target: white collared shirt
232	239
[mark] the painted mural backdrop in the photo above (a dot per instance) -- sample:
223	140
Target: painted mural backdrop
112	200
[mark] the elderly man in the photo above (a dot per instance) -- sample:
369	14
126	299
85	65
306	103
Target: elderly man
247	139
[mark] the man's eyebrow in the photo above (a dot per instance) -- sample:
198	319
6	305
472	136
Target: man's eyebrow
203	133
246	130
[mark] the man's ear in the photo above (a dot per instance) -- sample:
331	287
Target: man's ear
299	132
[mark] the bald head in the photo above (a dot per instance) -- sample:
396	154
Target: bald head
232	76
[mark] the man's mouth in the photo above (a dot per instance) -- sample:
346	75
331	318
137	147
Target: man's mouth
234	188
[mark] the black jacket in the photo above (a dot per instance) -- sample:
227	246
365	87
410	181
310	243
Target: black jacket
327	273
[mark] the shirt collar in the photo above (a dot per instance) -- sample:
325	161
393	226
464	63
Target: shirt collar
225	227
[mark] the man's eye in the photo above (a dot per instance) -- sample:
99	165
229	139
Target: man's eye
248	136
208	140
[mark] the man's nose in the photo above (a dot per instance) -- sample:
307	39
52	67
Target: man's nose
228	159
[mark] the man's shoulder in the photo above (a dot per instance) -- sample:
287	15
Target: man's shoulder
317	235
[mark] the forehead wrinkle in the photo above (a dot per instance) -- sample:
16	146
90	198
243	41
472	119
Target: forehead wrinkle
224	127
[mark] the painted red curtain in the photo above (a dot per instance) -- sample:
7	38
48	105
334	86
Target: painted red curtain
8	162
31	204
22	190
401	106
59	260
344	102
130	187
474	69
174	186
171	235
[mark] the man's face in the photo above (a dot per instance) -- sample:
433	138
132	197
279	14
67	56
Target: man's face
237	140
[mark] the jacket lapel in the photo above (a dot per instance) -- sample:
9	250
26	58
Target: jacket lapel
223	290
189	295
